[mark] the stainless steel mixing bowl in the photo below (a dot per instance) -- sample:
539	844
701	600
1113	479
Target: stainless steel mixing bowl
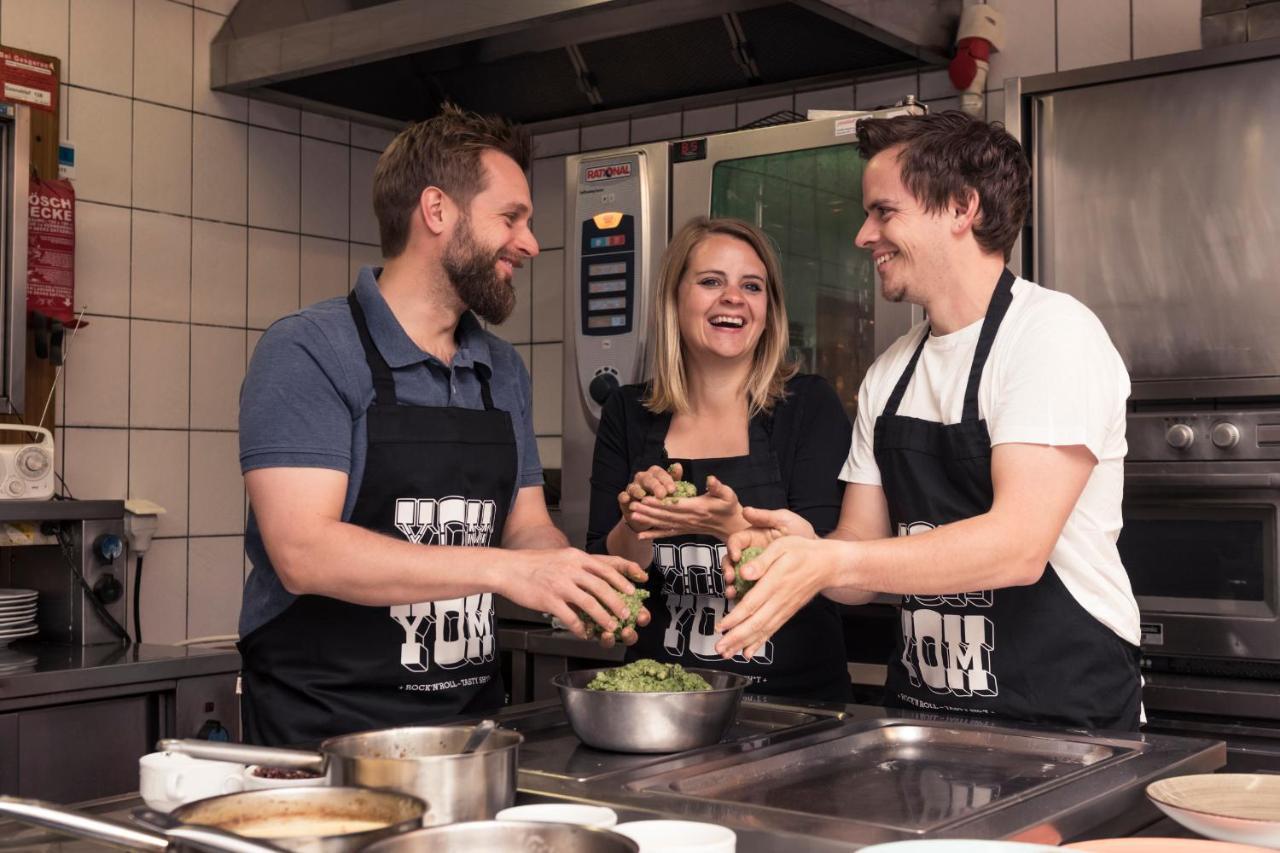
650	722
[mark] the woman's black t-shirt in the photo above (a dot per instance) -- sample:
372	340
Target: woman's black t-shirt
796	454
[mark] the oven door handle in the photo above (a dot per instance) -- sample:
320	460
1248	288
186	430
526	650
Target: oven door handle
1195	481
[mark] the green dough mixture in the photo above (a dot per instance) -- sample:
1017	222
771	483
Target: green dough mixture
633	601
741	584
648	676
684	489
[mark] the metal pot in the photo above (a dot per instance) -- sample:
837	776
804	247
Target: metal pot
424	761
507	835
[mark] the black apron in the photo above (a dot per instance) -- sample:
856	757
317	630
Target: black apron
1026	652
805	658
434	476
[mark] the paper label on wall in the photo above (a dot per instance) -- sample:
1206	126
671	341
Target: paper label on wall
51	249
28	80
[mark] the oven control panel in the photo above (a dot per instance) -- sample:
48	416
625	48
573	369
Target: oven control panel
1249	435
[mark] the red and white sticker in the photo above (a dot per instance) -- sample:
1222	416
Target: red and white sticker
608	172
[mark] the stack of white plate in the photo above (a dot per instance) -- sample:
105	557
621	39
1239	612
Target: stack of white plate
17	614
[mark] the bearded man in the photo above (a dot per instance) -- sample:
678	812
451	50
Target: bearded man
387	445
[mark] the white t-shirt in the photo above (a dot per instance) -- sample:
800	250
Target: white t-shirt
1053	378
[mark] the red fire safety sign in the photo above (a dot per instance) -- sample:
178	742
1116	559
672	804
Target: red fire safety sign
28	80
51	249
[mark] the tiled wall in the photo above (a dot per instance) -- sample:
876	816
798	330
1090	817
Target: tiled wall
201	217
1042	36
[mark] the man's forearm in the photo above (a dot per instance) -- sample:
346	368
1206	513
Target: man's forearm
536	537
847	594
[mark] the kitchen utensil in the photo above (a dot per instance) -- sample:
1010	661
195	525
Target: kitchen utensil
166	780
679	836
507	835
479	733
1239	807
650	722
85	826
575	813
424	761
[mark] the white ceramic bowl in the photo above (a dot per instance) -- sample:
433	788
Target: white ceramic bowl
1239	807
598	817
679	836
254	782
166	780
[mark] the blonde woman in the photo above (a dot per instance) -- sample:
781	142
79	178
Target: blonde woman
728	412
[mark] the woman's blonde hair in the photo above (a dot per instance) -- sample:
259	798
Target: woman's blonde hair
770	367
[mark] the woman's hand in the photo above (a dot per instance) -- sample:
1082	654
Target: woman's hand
653	481
716	513
790	572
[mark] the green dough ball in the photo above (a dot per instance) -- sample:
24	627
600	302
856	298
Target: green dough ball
741	584
648	676
684	489
633	601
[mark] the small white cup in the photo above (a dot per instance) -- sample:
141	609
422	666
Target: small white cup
679	836
166	780
597	817
254	782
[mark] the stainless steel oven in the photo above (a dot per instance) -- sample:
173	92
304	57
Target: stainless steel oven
1201	526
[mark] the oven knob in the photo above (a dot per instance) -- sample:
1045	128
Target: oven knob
602	386
1179	436
1225	435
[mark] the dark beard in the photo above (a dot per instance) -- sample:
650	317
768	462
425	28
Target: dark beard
474	275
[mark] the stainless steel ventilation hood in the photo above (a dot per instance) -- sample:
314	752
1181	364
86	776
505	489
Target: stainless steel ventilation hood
391	61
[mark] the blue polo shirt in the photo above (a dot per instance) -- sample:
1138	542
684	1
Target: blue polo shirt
308	387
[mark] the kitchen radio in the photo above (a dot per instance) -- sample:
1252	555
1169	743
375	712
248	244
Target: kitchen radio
26	469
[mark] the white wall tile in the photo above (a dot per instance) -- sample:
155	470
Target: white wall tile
162	152
159	359
709	120
204	99
611	135
885	93
97	463
158	472
1092	32
220	169
162	62
363	256
836	98
557	142
217	490
325	188
39	26
219	270
274	116
97	374
1030	41
273	276
161	280
548	296
749	111
1165	26
654	128
216	581
549	448
102	45
323	269
943	104
547	189
364	226
217	369
518	329
164	592
372	138
273	179
326	127
102	126
222	7
935	84
548	382
102	258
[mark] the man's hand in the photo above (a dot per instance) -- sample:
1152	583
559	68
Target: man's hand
766	526
790	572
556	581
715	513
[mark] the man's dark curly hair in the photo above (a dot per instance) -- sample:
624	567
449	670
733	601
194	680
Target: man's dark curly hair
944	155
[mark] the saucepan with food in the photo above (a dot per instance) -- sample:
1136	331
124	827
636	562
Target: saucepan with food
424	761
497	835
647	706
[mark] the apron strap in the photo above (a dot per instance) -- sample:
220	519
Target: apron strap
485	395
384	385
1000	301
891	407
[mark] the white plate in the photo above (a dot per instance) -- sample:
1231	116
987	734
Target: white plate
16	596
958	845
18	616
1239	807
16	633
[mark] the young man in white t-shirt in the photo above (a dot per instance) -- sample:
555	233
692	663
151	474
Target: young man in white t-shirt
986	472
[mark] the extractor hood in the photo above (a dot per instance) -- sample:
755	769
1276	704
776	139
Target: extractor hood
538	60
